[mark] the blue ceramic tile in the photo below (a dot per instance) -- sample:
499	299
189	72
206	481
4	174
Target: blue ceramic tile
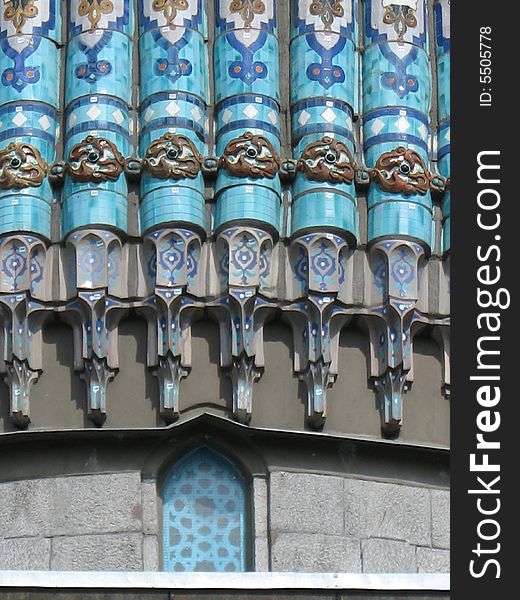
323	64
99	62
19	212
246	62
324	209
248	202
173	203
29	69
396	75
94	207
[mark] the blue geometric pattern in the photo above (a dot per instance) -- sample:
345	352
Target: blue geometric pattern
204	515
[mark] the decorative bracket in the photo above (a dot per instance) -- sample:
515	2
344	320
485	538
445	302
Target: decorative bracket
21	356
318	272
245	270
394	291
172	262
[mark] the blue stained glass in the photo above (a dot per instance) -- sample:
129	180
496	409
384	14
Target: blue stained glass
204	513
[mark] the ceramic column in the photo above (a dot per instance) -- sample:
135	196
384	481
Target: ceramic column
247	210
30	37
94	211
172	144
396	102
323	216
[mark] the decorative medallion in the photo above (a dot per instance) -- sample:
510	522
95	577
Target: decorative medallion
401	17
250	156
327	11
94	10
173	157
95	159
247	9
402	171
18	11
21	166
169	8
327	160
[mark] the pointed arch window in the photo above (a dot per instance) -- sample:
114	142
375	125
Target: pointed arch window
204	514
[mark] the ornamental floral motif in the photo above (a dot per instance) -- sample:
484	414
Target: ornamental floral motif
401	17
247	9
173	157
250	156
402	171
327	160
169	8
327	11
95	159
94	9
21	166
18	11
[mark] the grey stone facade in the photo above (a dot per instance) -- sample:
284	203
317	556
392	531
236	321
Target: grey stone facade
301	522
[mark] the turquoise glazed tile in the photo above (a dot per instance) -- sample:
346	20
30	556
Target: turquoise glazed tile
100	116
442	26
322	209
173	112
33	123
186	185
173	59
246	62
323	64
249	203
30	214
443	165
378	196
174	203
323	96
225	180
314	118
94	207
443	84
443	148
248	112
446	203
119	186
99	62
396	75
173	96
29	103
389	127
400	218
29	69
446	236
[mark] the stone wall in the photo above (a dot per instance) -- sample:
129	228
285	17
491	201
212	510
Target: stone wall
78	522
300	521
328	523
